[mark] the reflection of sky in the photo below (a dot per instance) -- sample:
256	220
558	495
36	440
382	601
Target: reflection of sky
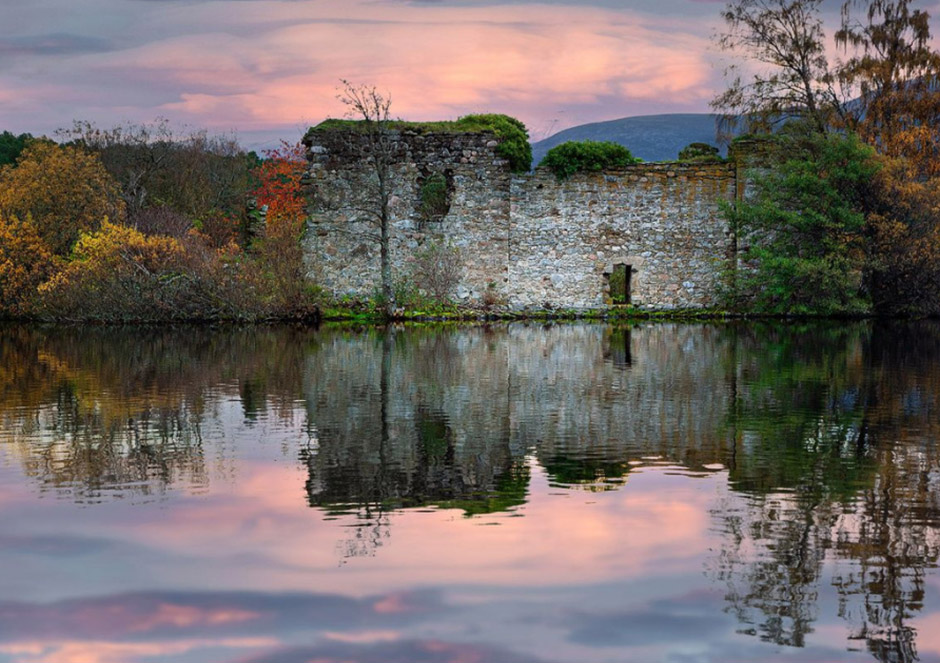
210	553
246	572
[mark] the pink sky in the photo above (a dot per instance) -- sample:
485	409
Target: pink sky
269	68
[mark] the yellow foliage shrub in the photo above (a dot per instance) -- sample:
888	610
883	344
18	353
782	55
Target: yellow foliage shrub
117	273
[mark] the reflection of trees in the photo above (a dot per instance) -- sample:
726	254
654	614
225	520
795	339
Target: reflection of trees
835	450
828	434
892	537
90	410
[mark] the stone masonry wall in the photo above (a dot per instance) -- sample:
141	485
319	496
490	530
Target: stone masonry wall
529	241
663	220
342	257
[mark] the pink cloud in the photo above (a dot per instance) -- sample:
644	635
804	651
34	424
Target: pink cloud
256	65
95	651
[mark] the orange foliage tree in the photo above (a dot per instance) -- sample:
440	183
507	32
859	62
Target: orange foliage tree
904	231
65	190
895	71
278	179
25	263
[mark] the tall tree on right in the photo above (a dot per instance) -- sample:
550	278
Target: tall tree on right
895	73
789	76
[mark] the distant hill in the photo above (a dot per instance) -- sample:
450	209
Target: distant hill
649	137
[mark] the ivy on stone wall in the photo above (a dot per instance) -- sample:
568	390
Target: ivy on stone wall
699	153
511	133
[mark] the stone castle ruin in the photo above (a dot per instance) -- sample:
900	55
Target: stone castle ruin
648	235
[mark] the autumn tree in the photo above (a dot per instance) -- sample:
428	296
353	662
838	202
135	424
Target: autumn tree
279	248
133	154
63	189
25	263
895	72
904	242
786	41
157	165
278	182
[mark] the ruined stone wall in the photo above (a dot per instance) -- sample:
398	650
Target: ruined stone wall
344	259
662	220
529	241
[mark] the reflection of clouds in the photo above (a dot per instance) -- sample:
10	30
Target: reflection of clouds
262	533
53	545
927	627
165	615
619	534
120	652
137	627
694	617
421	651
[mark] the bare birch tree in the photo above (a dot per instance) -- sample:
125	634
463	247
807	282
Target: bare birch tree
376	147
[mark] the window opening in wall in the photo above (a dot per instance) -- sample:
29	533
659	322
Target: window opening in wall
620	284
434	194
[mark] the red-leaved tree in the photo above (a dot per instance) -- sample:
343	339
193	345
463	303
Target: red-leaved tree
279	249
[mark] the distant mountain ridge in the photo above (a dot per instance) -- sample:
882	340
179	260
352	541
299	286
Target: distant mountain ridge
649	137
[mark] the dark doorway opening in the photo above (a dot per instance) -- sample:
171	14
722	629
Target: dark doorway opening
620	284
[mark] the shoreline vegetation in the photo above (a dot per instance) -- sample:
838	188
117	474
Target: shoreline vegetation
153	224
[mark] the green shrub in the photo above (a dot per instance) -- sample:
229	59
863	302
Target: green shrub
586	156
699	152
511	133
11	146
803	232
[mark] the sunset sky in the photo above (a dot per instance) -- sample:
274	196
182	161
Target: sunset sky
269	68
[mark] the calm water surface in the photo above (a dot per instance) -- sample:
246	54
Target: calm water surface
506	494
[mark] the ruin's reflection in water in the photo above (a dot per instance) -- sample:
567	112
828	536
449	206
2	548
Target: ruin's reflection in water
795	465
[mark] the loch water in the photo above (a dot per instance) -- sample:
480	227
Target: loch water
511	493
